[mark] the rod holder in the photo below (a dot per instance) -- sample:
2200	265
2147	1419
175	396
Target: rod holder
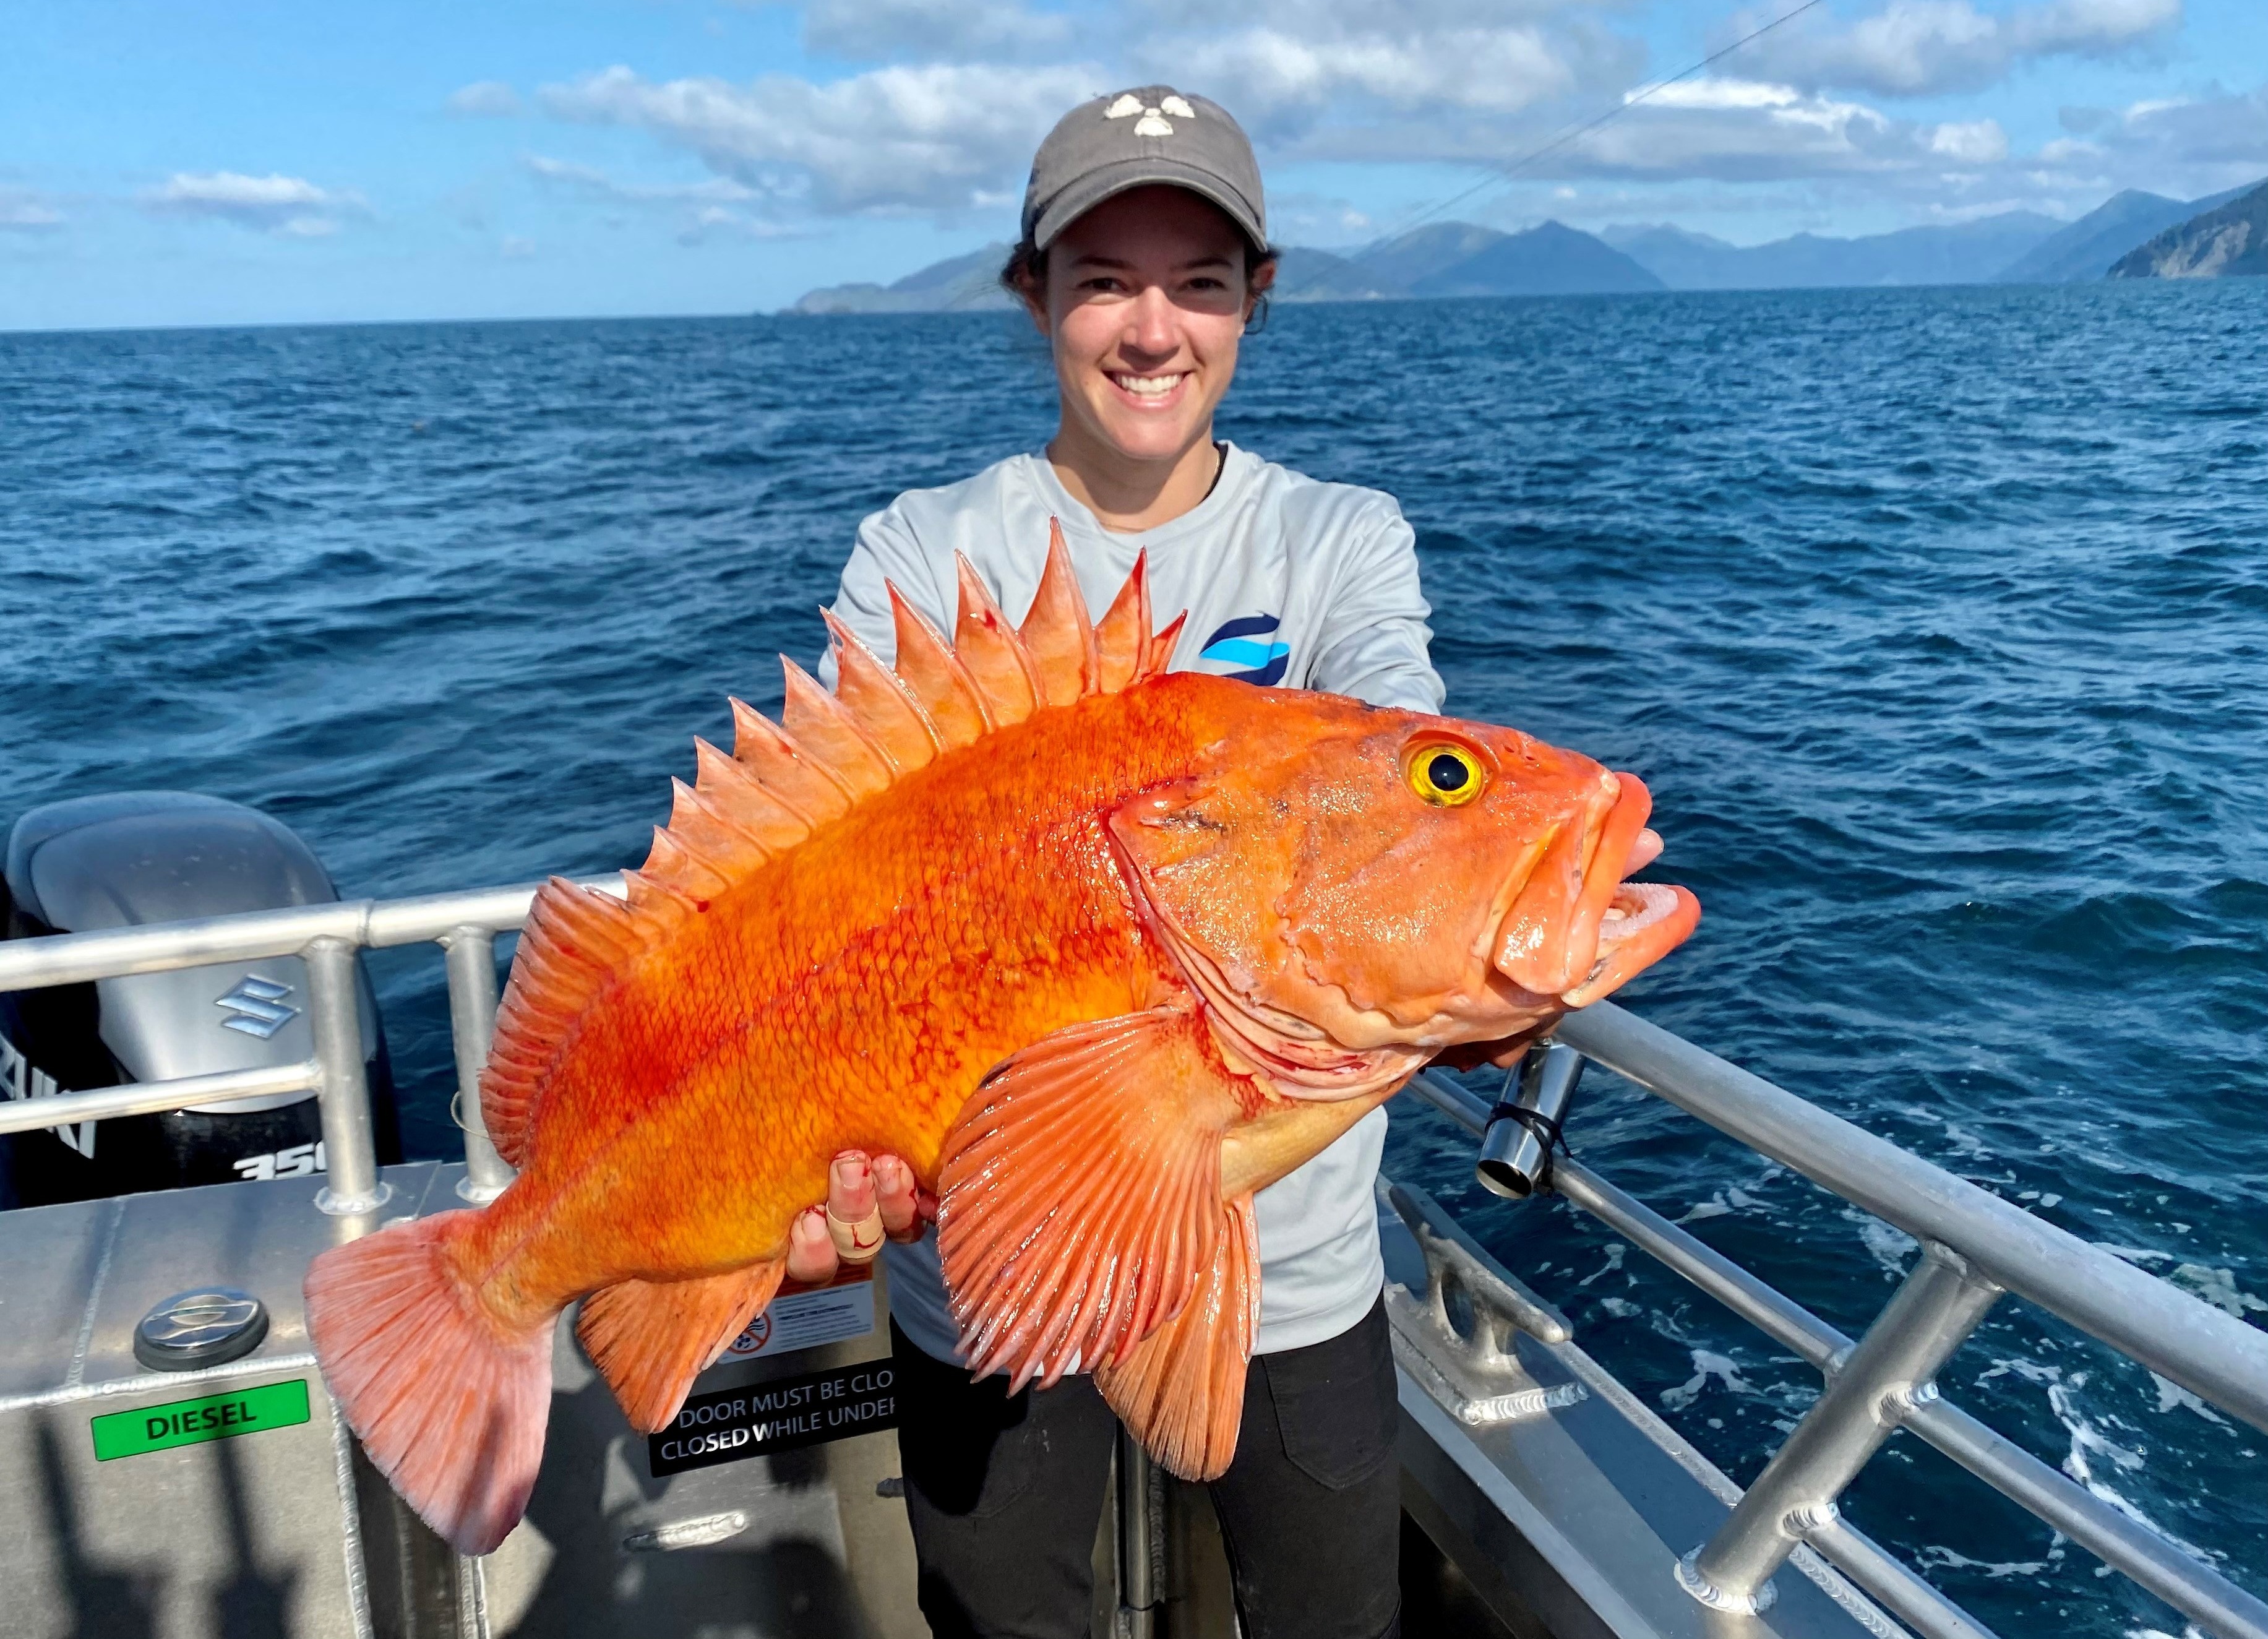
1515	1159
470	954
343	1095
1886	1375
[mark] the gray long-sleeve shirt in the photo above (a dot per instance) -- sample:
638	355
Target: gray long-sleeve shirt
1286	581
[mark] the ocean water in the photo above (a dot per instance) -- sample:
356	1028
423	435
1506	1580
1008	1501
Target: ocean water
1936	620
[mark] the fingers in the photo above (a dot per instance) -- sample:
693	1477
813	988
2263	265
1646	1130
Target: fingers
1644	851
854	1222
810	1256
906	1207
865	1199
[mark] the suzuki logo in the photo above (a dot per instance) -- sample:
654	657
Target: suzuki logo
257	1007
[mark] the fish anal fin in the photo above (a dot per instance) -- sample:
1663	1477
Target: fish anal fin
1057	631
650	1338
1122	640
880	703
1181	1390
1079	1192
733	793
766	750
936	678
987	645
573	941
825	729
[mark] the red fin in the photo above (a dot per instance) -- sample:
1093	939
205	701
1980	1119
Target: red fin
824	729
761	747
879	701
1121	641
1056	629
450	1409
733	791
995	657
1181	1391
1080	1192
1161	647
650	1338
934	676
573	943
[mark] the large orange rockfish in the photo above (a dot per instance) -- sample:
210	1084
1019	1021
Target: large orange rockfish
1098	949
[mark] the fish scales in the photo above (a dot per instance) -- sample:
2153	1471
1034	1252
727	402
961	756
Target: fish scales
849	994
1099	951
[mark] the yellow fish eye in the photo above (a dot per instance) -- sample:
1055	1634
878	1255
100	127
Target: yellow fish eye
1447	776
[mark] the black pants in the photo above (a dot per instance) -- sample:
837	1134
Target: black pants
1005	1495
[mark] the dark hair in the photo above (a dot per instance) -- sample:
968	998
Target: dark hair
1028	267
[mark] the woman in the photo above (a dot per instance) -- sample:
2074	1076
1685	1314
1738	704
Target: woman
1143	259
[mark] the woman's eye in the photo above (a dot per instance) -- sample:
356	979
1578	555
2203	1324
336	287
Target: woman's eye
1447	776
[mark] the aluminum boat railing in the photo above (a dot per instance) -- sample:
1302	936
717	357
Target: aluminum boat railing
1976	1247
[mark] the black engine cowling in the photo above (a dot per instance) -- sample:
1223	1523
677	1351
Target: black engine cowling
161	856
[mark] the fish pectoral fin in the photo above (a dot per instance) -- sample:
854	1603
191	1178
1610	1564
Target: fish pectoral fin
650	1338
1079	1193
1182	1389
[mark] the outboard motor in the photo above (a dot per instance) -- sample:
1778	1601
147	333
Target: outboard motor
162	856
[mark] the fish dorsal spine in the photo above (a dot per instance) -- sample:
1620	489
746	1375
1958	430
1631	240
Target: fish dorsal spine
784	780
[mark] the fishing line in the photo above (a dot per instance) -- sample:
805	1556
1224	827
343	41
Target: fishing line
1508	170
1504	171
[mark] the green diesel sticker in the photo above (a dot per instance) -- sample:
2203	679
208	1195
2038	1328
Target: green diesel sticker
192	1423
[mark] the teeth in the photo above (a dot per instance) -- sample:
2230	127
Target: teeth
1150	386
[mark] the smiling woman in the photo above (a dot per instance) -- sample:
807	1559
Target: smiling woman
1143	259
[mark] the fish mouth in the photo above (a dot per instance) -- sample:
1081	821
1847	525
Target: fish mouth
1576	930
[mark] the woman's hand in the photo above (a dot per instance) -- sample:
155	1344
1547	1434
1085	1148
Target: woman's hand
857	1188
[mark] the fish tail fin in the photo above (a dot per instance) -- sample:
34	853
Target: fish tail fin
450	1406
1181	1390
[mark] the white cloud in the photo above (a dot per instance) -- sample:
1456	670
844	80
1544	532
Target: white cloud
1973	142
24	212
936	136
1918	48
290	206
1275	72
487	98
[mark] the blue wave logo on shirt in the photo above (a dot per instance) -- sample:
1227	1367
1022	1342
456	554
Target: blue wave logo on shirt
1248	643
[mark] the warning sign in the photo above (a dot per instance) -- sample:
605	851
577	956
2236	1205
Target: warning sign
796	1320
777	1416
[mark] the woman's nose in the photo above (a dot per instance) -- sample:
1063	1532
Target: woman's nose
1151	326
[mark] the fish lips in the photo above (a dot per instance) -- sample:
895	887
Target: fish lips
1576	930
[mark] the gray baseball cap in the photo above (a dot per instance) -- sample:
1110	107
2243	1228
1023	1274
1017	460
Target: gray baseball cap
1132	139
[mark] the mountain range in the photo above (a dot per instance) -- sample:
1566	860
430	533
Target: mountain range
2230	239
2144	235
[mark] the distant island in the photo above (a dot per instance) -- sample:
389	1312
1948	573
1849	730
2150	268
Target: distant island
2130	235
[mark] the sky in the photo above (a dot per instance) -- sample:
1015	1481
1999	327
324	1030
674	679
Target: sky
254	161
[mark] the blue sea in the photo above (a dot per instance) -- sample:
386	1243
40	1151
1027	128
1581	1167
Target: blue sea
1936	620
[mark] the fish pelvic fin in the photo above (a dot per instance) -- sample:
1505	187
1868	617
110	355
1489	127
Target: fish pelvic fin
449	1405
1182	1388
650	1338
1079	1193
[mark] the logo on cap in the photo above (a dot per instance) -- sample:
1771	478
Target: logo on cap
1153	121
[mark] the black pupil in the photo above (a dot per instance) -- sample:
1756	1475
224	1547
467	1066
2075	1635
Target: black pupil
1447	773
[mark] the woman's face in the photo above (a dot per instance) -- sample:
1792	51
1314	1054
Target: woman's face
1146	295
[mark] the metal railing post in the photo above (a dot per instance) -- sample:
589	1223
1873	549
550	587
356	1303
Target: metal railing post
1141	1540
1890	1372
334	1010
470	955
